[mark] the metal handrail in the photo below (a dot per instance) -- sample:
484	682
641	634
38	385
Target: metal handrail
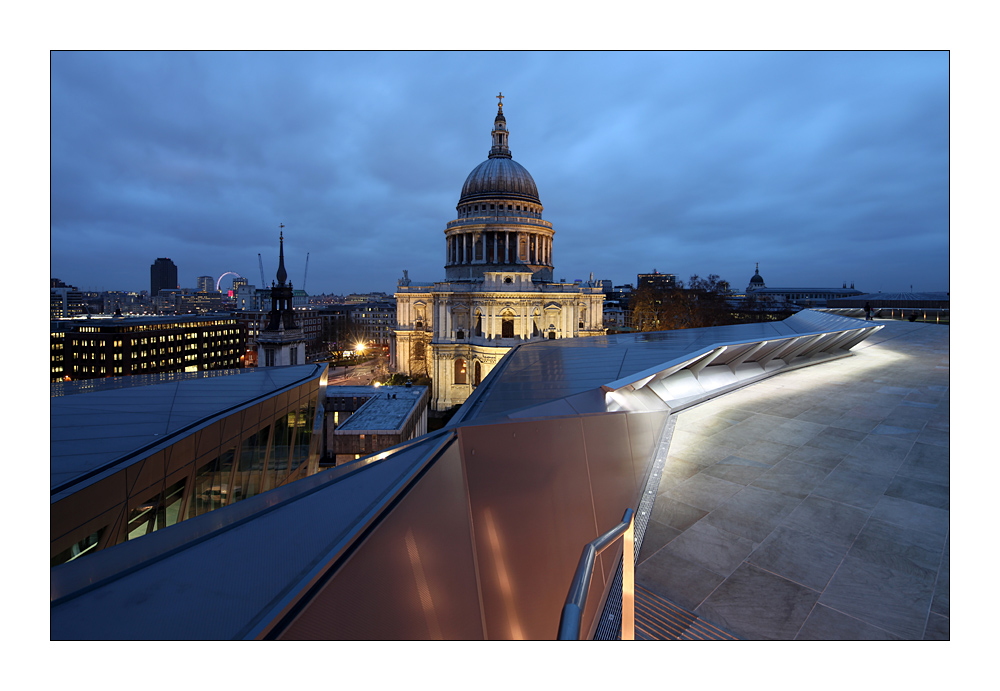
576	600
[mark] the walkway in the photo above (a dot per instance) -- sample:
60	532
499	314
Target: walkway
815	504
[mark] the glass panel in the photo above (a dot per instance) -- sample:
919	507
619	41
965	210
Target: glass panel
88	544
303	435
249	473
140	519
203	499
228	491
170	509
277	467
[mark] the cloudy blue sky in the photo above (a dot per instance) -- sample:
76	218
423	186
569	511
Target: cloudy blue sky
824	167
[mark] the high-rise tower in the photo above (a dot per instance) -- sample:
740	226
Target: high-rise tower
162	274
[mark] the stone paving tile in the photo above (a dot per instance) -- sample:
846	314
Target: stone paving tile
921	492
853	487
742	471
708	426
941	604
821	414
799	557
836	438
911	401
711	547
702	455
856	423
929	435
677	579
908	416
756	605
752	513
828	520
734	414
825	624
794	432
676	471
897	432
877	454
656	536
675	513
927	462
703	491
941	422
767	452
869	411
938	628
881	596
901	549
827	459
792	478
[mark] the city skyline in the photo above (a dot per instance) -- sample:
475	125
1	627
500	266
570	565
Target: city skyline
824	167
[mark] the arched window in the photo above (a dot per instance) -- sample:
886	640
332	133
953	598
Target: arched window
507	326
478	374
460	376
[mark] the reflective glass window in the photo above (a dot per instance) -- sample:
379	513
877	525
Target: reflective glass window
249	473
84	546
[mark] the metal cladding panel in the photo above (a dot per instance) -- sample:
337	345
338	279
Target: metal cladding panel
532	512
413	577
145	473
71	511
180	453
612	467
644	433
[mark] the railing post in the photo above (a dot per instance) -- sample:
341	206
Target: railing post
628	582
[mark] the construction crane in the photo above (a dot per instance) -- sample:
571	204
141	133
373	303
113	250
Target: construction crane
263	283
306	274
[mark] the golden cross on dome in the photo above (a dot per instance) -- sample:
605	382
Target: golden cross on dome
500	97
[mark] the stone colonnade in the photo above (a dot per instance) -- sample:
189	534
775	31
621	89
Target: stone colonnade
500	247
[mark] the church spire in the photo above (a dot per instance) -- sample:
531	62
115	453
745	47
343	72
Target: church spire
500	147
282	274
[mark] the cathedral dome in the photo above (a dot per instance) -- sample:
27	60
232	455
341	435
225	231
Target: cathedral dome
499	178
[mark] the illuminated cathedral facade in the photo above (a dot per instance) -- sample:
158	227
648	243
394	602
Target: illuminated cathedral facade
498	290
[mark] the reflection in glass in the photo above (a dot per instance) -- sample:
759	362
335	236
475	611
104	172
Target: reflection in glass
88	544
140	519
249	472
170	508
277	467
303	434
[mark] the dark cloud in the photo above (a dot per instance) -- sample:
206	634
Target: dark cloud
823	167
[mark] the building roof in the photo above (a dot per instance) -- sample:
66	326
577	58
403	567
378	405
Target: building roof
545	371
94	431
236	571
386	410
